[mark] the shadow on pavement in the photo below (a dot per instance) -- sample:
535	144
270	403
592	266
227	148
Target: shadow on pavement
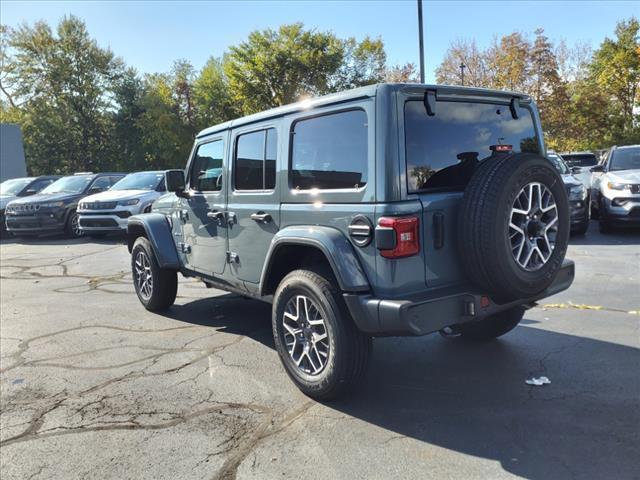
472	399
61	239
620	236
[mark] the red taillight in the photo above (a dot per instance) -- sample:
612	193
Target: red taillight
407	242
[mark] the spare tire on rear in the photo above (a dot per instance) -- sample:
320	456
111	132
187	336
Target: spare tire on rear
513	226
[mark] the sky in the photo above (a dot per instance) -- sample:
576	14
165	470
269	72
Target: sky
150	35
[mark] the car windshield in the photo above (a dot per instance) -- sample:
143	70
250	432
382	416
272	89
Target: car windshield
72	184
558	163
14	186
140	181
580	160
625	159
444	149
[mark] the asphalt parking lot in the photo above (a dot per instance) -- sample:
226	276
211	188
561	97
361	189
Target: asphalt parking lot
93	386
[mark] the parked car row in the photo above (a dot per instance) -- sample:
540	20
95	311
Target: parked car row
612	186
84	203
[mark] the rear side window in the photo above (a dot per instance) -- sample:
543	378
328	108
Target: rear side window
444	150
206	172
330	152
255	163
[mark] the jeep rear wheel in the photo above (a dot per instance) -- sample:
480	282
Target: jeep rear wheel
319	346
156	287
514	226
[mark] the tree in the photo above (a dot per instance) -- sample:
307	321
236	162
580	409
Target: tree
128	152
475	65
616	70
61	81
508	63
212	96
406	73
363	63
274	68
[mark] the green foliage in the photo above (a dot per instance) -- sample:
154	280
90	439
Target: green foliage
584	103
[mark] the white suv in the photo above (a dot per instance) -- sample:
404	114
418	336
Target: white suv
109	211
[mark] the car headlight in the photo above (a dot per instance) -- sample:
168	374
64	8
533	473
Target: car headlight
52	205
618	186
127	203
577	192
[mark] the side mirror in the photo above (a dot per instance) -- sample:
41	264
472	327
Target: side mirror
174	181
597	168
576	170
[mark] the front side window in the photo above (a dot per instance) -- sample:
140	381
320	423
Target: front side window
625	159
206	173
581	159
330	152
102	183
40	184
72	184
444	150
255	163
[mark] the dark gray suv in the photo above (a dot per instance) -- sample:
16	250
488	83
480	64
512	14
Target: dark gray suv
393	209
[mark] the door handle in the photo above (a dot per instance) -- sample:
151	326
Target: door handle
261	217
216	215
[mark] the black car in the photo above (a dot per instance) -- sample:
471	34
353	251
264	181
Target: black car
54	208
578	195
15	188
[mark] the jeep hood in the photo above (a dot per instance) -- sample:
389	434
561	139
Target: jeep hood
116	195
624	176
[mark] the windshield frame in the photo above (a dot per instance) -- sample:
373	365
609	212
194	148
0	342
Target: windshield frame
139	174
87	178
25	182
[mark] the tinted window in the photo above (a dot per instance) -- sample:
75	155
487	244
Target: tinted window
40	184
558	163
444	150
580	160
255	164
102	183
330	151
625	159
206	172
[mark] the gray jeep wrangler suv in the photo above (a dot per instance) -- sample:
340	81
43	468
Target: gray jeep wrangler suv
393	209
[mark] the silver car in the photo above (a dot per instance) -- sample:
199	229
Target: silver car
616	188
109	211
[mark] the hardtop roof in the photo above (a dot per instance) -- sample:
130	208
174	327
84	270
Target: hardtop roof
361	92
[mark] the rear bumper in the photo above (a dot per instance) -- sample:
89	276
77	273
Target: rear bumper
438	309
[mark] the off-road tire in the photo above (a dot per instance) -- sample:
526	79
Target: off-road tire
349	348
483	226
492	327
70	226
164	281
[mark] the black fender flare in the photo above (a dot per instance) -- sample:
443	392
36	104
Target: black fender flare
332	243
157	229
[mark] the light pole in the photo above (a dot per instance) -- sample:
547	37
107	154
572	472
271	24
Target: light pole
462	67
421	41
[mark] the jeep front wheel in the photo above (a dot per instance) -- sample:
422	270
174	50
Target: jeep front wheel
156	287
319	346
